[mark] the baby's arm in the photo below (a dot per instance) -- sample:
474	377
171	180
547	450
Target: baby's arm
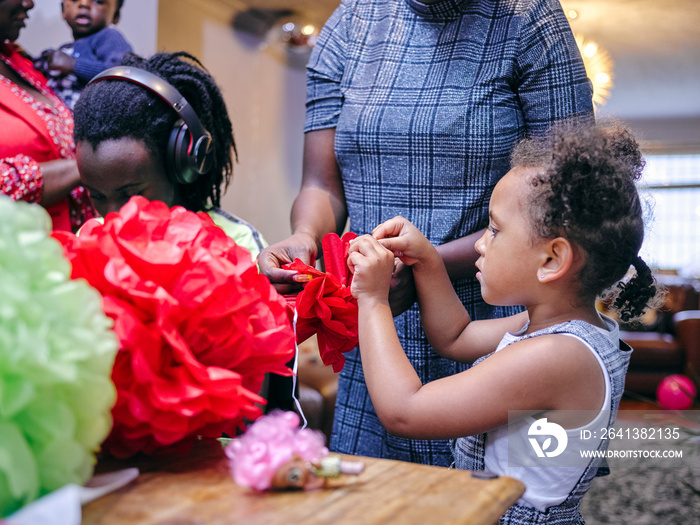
57	60
108	49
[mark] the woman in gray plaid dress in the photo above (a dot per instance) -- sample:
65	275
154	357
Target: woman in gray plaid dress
413	109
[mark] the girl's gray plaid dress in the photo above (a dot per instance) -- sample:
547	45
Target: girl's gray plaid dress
469	451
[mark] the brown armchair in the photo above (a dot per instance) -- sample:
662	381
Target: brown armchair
670	344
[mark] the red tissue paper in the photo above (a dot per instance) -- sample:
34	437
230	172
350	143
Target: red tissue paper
325	306
198	326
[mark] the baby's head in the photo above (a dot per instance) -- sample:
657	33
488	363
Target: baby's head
86	17
583	189
123	134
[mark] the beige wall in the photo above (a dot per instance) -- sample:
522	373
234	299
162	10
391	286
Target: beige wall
265	99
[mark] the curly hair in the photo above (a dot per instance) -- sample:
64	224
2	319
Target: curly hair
114	109
586	193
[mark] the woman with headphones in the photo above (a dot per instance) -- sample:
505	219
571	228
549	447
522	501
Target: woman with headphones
159	128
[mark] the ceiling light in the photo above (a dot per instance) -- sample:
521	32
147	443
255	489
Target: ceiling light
590	49
602	78
284	33
599	68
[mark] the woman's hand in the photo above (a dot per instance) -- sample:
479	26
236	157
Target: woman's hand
372	266
299	246
402	293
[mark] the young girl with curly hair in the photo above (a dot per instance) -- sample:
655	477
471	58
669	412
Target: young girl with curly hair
565	226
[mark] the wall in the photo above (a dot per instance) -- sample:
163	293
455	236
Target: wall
655	47
265	100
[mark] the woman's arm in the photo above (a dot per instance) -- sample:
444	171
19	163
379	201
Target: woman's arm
320	206
60	177
551	83
22	178
318	209
460	255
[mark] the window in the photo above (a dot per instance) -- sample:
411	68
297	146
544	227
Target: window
671	185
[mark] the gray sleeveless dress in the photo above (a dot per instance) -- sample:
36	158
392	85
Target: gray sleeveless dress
469	451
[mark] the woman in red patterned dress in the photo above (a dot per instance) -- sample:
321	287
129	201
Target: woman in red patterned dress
36	132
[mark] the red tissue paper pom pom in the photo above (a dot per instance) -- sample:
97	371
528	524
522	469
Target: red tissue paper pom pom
198	326
326	306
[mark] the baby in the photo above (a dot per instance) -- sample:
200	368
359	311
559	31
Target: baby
96	47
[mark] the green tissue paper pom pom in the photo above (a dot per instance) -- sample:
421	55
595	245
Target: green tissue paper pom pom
57	350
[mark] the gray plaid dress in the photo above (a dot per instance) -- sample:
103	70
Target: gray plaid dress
427	102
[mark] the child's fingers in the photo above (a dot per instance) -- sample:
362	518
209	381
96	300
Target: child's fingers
358	243
371	265
396	245
357	252
351	260
367	247
391	228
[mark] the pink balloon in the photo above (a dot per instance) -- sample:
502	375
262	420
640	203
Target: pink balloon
676	392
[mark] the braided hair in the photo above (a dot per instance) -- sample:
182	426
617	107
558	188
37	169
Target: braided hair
114	109
586	193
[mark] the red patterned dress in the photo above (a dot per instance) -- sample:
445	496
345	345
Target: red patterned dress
32	132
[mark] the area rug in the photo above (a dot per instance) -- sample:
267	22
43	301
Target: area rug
644	496
650	494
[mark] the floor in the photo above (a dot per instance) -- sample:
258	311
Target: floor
647	494
633	403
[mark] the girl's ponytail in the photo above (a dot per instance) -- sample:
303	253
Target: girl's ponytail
636	294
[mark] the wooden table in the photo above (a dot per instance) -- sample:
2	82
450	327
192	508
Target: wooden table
198	489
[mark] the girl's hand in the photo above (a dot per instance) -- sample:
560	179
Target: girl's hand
372	266
405	241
